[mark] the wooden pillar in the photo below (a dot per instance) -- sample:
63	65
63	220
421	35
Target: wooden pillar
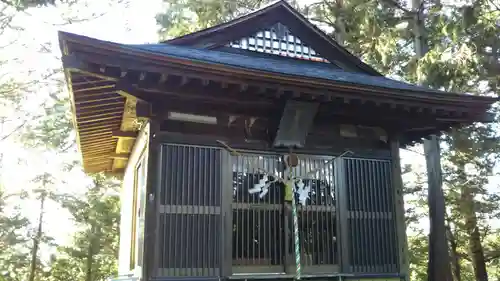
151	258
439	264
397	183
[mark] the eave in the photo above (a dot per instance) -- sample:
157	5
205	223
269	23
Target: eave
109	65
227	65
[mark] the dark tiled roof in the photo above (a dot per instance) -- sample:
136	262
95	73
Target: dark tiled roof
280	66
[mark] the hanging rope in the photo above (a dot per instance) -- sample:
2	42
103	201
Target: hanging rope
290	186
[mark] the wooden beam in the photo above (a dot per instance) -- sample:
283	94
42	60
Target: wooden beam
78	65
96	131
95	99
100	113
96	119
183	100
80	78
143	109
105	107
256	133
397	183
118	101
123	156
100	126
73	63
93	86
195	93
97	147
124	135
122	87
439	103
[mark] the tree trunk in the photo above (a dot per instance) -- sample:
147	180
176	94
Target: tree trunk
90	254
474	239
340	30
438	268
455	257
37	238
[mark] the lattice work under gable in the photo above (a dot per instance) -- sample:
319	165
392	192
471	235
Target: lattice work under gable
277	40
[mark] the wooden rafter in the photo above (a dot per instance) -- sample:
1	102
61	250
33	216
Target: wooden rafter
321	89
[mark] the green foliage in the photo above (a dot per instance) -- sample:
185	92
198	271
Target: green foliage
185	16
418	245
53	129
13	255
25	4
92	255
23	242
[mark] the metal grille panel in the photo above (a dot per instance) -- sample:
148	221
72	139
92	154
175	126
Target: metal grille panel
277	40
259	232
371	216
258	228
190	226
190	208
317	219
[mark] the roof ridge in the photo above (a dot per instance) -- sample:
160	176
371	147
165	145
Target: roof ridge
244	17
342	52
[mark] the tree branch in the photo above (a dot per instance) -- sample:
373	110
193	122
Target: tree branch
490	256
14	131
399	6
496	6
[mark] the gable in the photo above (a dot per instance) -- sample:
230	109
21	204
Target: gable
232	35
277	40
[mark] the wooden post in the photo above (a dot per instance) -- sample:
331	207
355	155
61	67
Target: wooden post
400	208
438	268
150	264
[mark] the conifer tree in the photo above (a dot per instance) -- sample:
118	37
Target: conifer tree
92	255
14	257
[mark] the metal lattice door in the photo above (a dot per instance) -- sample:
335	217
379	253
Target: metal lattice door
257	222
190	211
318	216
262	226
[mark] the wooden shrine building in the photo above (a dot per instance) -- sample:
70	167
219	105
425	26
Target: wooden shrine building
196	123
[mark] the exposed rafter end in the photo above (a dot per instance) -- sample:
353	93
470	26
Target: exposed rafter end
143	109
123	88
71	62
